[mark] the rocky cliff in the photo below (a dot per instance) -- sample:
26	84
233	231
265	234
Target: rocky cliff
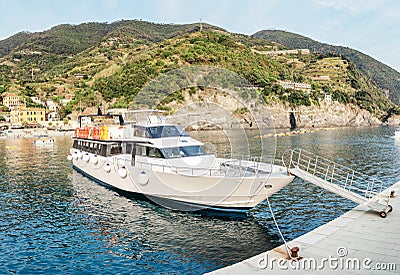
324	115
394	120
211	109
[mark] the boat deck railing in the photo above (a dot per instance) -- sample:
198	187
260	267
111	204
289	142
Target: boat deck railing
226	167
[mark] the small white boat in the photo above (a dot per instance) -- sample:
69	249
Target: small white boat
44	142
397	134
144	155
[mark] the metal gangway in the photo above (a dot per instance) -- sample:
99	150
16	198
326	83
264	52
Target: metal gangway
338	179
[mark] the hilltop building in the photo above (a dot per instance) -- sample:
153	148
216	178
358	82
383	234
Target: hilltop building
65	101
287	84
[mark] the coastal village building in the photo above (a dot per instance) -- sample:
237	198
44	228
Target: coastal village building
35	99
11	101
328	98
52	116
51	105
287	84
65	101
32	116
283	52
28	115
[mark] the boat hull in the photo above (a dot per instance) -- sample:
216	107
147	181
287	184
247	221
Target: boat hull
184	192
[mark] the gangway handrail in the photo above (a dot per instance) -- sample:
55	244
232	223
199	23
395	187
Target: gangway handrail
337	178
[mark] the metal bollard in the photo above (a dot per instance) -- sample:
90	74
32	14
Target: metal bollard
294	252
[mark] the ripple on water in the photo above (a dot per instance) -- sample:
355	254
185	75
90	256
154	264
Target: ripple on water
54	220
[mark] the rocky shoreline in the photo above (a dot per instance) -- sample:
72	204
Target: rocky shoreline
223	111
28	133
326	115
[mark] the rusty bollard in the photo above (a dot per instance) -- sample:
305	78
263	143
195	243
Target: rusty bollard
294	252
392	194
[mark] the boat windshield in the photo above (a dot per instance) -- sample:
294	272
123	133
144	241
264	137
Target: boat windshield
184	151
160	131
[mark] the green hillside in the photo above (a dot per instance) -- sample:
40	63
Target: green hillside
101	63
72	39
382	75
224	50
9	44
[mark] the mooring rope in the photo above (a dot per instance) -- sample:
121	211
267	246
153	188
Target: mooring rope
279	230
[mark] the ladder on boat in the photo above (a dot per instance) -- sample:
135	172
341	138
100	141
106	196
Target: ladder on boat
338	179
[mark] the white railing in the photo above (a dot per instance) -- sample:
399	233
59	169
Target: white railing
333	173
227	167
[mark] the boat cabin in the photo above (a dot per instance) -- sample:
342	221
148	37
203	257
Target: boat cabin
141	135
107	149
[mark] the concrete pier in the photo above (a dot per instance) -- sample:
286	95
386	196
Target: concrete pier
358	242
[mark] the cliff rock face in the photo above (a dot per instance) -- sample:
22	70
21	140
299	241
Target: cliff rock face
394	120
221	110
326	115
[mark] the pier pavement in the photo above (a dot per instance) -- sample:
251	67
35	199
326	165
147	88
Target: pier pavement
358	242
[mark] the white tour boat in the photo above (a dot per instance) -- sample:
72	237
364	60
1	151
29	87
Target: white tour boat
141	153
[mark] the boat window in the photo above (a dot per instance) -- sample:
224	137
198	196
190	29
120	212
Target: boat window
76	145
154	152
127	148
165	131
148	151
140	150
115	149
182	131
172	152
186	151
102	151
193	151
154	132
139	131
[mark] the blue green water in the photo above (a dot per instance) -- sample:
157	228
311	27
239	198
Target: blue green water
55	221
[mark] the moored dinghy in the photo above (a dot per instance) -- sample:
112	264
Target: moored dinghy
44	142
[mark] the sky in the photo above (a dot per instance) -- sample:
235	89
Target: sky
370	26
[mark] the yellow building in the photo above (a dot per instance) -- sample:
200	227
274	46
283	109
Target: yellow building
11	101
28	115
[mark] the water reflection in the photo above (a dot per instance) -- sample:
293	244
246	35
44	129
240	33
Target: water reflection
54	220
142	231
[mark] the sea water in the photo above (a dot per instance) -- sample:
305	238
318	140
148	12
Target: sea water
53	220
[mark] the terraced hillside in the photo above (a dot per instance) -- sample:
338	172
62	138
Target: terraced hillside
380	74
107	64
